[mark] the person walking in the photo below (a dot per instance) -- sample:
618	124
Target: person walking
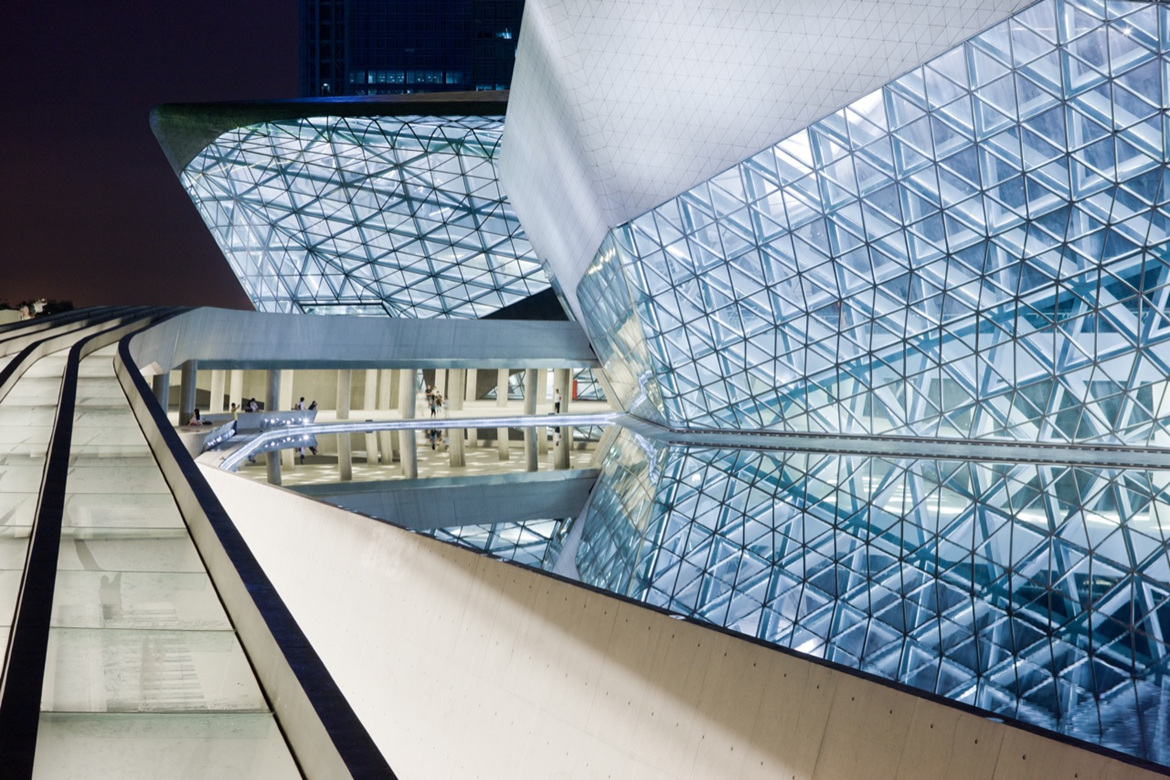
557	401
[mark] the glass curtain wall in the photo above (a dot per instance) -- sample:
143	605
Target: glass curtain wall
977	250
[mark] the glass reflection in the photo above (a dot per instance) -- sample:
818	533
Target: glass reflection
1037	592
535	543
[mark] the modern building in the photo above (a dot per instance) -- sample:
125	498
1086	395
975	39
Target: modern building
381	47
386	205
879	296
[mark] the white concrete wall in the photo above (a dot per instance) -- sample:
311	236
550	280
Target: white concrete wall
462	666
619	105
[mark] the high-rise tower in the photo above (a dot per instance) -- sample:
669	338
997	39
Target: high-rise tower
379	47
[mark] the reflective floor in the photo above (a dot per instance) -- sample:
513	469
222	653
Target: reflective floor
302	467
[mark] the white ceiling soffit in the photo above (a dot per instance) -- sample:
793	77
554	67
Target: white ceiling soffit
618	105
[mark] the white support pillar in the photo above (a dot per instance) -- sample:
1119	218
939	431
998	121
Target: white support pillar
236	389
458	382
215	404
562	382
502	402
161	384
369	405
407	443
187	378
288	456
344	390
344	451
272	462
272	391
542	401
387	441
370	393
469	397
530	461
272	404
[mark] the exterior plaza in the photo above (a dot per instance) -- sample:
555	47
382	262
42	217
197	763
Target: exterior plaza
754	390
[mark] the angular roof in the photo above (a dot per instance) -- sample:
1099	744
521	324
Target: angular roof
185	129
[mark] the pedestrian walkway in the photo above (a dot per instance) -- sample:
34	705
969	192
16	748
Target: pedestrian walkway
142	673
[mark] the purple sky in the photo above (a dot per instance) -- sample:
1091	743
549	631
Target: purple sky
90	211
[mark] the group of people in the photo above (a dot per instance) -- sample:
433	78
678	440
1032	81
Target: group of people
435	402
435	436
250	405
299	406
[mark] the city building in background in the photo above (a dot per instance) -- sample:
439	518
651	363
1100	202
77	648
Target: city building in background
382	47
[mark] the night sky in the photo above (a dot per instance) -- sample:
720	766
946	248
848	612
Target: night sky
90	211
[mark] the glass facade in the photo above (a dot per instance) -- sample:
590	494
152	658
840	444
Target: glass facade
617	337
1036	592
977	250
527	542
376	216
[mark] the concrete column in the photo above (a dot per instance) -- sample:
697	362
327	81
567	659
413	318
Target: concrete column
272	461
530	461
458	386
272	391
272	404
344	451
370	393
407	443
469	396
370	404
190	371
286	390
387	440
501	402
215	406
344	388
161	384
542	400
288	456
530	392
406	392
562	380
236	389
